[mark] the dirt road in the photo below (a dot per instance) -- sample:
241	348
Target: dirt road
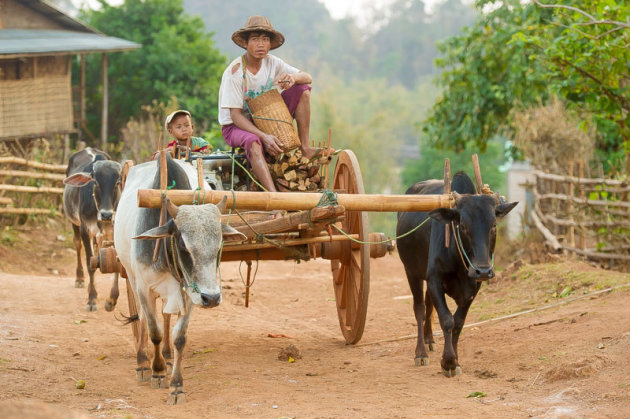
567	361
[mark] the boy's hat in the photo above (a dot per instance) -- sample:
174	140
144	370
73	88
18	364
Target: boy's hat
257	24
169	118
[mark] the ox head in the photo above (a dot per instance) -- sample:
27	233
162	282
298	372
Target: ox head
198	235
106	180
474	221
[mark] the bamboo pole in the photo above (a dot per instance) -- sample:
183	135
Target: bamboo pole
27	211
35	189
59	168
297	201
33	175
6	201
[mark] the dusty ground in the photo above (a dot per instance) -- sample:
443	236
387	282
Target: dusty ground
566	361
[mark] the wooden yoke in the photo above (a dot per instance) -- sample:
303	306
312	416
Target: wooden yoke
447	190
163	186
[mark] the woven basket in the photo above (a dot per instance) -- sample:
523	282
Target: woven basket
271	116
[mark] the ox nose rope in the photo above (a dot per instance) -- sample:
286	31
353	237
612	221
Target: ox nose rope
462	251
184	279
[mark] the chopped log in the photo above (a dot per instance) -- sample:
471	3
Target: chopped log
290	175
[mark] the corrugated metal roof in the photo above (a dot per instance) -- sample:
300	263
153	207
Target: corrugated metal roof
52	12
20	42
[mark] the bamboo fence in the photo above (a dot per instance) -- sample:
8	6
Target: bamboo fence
585	216
30	188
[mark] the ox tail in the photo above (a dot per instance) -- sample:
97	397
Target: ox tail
128	319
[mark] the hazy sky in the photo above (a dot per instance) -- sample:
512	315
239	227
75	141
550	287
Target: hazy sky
360	9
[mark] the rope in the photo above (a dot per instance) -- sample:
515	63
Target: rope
246	172
198	192
185	278
382	241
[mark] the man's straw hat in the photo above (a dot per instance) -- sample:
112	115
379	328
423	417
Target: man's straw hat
257	24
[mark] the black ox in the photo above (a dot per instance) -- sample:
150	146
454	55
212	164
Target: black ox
456	271
89	200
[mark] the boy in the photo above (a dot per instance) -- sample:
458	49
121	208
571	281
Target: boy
253	73
180	126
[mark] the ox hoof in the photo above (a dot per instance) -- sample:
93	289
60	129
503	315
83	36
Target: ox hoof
110	304
421	361
159	381
431	346
143	374
91	307
176	397
169	367
452	373
79	283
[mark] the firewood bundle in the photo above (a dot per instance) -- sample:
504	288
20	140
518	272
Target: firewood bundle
293	172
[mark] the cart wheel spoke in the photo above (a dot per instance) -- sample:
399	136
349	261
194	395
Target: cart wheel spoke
351	273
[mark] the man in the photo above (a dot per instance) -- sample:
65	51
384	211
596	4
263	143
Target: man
252	74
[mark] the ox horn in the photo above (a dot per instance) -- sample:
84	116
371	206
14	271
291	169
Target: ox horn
456	196
172	208
222	205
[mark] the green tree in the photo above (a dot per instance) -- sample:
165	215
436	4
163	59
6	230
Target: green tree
519	54
588	60
177	59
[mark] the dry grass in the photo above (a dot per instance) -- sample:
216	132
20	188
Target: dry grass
550	136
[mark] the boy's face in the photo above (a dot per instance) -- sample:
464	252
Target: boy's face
258	44
181	127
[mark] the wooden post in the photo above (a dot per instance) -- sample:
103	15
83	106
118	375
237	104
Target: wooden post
82	98
582	195
477	170
105	104
570	206
163	185
200	174
447	190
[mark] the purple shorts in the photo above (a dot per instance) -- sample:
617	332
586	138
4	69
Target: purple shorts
236	137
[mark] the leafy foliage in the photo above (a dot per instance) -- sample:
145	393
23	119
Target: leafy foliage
177	59
519	54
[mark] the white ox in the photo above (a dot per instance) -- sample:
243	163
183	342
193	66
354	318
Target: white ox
185	272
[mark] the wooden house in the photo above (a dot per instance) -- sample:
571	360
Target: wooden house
37	42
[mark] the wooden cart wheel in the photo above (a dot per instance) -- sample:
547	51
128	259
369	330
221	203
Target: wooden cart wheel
351	272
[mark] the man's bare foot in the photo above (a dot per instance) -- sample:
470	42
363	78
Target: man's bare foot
310	152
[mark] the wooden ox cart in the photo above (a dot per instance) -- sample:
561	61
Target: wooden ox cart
332	225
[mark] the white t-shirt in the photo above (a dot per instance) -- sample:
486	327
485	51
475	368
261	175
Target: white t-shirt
231	92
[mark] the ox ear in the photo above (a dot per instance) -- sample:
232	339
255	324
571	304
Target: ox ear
503	209
160	232
230	234
444	215
79	179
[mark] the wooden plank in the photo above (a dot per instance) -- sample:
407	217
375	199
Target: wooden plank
105	104
235	247
291	221
297	201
